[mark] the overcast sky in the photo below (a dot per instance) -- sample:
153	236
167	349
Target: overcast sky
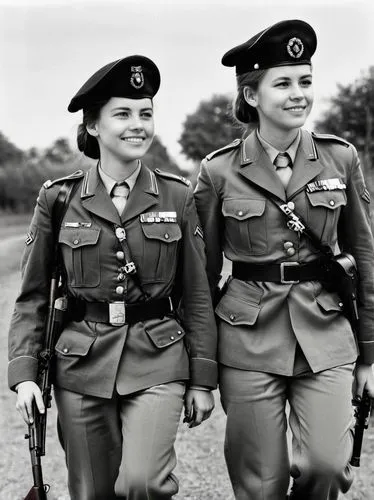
49	48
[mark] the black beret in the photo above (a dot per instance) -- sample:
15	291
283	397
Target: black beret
283	43
135	77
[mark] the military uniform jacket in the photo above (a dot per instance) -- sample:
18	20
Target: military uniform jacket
261	323
168	250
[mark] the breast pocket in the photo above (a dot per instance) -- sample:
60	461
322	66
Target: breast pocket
324	211
245	225
80	250
160	250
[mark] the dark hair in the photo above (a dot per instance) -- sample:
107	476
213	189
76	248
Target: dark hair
242	111
87	143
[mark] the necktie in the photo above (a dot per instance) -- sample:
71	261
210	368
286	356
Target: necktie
283	168
119	194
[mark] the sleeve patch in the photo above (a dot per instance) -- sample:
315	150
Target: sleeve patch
199	232
29	238
365	195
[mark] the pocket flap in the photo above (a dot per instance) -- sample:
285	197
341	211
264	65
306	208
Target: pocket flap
164	332
243	209
72	343
166	232
76	238
237	312
328	199
329	301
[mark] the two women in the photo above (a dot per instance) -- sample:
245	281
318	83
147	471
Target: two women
283	337
133	260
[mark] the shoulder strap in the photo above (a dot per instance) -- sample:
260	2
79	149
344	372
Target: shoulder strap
58	211
234	144
60	205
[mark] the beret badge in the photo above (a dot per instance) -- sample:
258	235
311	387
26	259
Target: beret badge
137	77
295	47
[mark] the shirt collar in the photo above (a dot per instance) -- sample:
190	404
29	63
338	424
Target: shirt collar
109	182
273	152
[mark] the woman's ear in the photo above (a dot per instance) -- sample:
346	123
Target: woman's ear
250	96
92	129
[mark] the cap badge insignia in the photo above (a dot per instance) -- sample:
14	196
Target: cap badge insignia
295	47
137	77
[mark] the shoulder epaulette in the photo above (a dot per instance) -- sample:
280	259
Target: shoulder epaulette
330	137
72	177
234	144
169	175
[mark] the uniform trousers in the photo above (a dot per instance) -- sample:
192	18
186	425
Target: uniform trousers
320	419
122	448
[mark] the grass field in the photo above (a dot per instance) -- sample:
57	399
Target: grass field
201	468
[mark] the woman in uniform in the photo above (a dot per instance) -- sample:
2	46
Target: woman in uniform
283	337
133	257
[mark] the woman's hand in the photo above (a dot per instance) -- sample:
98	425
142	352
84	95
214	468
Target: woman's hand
364	379
27	393
198	405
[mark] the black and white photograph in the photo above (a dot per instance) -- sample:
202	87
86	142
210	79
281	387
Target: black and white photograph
186	250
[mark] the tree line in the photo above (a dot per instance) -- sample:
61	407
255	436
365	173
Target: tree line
349	114
23	172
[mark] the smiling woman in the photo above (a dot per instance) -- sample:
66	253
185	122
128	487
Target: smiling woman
132	252
283	334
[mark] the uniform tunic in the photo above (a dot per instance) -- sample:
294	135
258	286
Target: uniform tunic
261	323
290	342
91	358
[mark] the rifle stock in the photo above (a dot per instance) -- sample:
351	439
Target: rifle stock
36	494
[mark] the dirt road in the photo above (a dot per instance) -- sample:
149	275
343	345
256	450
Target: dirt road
201	468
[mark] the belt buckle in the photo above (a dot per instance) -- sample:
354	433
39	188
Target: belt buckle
283	265
117	313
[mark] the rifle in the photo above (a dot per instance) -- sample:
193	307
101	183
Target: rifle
57	306
37	430
362	416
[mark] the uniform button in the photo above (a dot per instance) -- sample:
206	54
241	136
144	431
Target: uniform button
179	332
166	236
120	290
290	251
120	255
240	212
291	205
66	350
172	338
287	245
232	317
120	277
332	202
76	242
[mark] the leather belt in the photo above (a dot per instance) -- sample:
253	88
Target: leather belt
119	313
283	272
